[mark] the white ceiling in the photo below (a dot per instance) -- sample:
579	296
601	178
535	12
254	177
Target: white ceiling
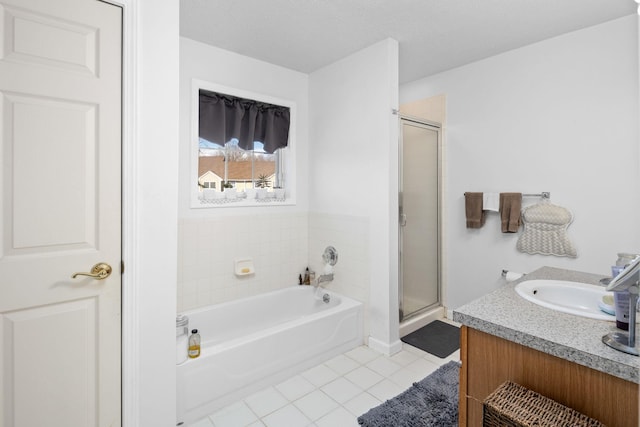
434	35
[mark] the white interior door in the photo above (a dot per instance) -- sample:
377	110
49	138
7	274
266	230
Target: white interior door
60	142
419	245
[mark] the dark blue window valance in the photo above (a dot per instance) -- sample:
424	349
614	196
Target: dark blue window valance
223	117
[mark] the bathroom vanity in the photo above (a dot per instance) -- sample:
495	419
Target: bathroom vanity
561	356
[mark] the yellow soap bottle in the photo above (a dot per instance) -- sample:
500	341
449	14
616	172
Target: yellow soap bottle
194	344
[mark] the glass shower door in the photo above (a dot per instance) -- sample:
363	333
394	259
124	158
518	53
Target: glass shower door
419	237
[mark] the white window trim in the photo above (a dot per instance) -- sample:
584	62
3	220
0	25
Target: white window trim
288	161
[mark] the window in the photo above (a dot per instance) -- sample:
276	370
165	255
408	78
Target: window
242	169
244	148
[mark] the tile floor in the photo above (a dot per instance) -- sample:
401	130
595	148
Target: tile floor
332	394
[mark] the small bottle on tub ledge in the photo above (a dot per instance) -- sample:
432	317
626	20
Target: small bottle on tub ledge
194	344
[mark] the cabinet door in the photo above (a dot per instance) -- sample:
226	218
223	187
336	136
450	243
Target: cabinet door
488	361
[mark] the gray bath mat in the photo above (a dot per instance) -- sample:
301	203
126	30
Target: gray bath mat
438	338
431	402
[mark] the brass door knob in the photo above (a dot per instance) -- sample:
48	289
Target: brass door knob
100	271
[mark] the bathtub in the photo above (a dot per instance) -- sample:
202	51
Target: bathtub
252	343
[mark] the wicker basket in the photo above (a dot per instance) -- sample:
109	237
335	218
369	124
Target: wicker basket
512	405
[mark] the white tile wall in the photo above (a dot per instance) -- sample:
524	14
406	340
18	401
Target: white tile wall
282	245
207	248
350	236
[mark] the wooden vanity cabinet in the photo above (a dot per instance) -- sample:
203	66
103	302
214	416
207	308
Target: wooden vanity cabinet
488	361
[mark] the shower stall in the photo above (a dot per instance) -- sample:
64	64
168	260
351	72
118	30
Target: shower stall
419	225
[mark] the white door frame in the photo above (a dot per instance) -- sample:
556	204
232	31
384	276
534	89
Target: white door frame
130	332
139	272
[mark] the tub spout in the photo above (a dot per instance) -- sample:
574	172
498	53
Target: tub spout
324	278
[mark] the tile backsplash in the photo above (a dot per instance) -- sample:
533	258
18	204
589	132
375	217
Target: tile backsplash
350	236
207	248
281	246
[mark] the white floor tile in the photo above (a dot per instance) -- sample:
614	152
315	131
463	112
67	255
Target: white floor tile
364	377
236	415
385	390
338	418
404	357
361	404
422	367
384	366
315	404
202	423
333	394
414	350
320	375
294	388
363	354
451	322
453	356
341	390
342	364
289	416
404	378
266	401
434	359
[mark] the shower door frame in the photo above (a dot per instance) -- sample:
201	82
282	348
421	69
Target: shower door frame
437	127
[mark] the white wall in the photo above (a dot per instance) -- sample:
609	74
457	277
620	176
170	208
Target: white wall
550	117
352	102
209	240
204	62
560	116
353	174
149	290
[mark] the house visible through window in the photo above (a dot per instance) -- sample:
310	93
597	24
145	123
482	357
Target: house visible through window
242	169
241	143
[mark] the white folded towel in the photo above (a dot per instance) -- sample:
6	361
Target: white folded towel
491	202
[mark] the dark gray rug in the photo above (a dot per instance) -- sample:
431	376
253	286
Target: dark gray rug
438	338
431	402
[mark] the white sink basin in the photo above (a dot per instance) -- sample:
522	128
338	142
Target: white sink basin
568	297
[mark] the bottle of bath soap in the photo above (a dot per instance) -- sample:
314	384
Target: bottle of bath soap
194	344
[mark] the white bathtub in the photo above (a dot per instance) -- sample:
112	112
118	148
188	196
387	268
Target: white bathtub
255	342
